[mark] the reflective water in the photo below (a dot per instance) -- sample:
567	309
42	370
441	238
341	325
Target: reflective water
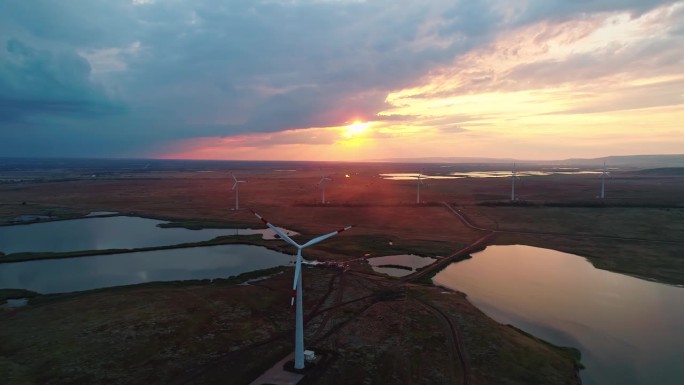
507	173
106	233
14	303
409	260
486	174
75	274
414	176
628	329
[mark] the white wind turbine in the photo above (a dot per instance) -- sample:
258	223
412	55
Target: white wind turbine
297	286
418	183
603	180
321	185
514	176
237	190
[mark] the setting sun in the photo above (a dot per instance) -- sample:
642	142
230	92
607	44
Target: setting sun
355	129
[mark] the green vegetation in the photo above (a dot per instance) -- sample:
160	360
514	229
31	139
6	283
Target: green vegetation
649	260
199	224
37	298
354	246
223	240
643	242
335	248
571	352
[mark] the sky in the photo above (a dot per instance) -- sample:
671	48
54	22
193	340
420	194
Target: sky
341	79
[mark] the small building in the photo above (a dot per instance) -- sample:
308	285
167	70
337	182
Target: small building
309	356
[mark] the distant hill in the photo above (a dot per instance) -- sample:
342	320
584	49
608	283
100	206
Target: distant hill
633	161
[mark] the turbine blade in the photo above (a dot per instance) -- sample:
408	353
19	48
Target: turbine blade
298	271
326	236
277	231
234	178
234	186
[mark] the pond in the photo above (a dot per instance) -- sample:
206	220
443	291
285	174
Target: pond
488	174
119	232
14	303
628	329
414	176
409	261
507	174
85	273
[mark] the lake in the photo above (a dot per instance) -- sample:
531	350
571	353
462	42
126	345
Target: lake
487	174
119	232
410	261
628	329
85	273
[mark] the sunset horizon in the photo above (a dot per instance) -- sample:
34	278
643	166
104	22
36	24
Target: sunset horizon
341	80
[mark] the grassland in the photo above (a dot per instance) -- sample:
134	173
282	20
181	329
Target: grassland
219	332
374	329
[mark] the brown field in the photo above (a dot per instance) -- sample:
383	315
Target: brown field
638	230
195	333
211	333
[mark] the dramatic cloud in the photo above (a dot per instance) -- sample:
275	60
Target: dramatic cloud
174	78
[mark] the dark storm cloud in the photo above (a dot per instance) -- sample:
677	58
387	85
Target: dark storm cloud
47	83
172	70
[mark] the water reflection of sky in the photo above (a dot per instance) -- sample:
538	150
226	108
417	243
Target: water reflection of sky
627	328
486	174
85	273
409	260
95	233
414	176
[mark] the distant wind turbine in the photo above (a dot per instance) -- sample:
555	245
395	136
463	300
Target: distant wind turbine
321	185
603	180
514	176
237	190
297	286
418	183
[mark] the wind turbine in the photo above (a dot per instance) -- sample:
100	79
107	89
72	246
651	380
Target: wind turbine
514	176
297	286
321	185
237	190
603	180
418	183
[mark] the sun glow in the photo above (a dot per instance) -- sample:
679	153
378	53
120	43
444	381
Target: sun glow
355	129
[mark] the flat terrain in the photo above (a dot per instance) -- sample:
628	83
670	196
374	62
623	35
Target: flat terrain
194	333
638	229
373	329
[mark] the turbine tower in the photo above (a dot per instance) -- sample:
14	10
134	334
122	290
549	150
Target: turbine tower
418	183
321	185
297	286
603	181
514	176
237	190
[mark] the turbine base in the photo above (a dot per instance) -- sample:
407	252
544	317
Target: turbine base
309	364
